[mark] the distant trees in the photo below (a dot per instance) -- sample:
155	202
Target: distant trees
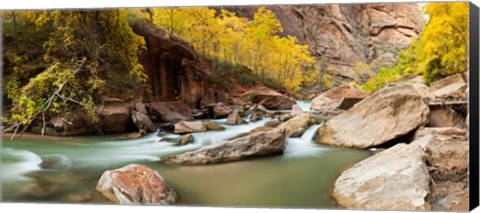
253	43
440	51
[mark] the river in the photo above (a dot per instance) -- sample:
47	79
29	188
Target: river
302	177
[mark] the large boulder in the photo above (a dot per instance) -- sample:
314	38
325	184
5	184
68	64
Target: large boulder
269	98
136	184
75	123
259	144
115	118
171	111
143	122
190	127
298	125
338	98
391	112
221	110
395	179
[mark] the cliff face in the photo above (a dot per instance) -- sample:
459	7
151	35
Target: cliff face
341	35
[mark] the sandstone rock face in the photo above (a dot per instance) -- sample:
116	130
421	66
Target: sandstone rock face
298	125
338	98
173	67
189	127
271	99
235	119
259	144
115	118
341	35
389	113
143	122
395	179
136	185
171	111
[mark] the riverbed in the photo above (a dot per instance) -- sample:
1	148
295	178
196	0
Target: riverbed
302	177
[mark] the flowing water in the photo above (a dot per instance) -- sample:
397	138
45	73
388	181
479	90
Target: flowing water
66	169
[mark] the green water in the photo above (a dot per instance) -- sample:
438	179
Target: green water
302	177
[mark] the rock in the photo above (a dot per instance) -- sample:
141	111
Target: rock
212	125
394	179
298	125
171	111
256	116
186	139
115	118
389	113
221	110
273	123
445	116
140	107
261	129
259	144
189	127
284	117
296	110
338	98
448	131
445	82
75	123
270	99
143	122
234	119
342	35
136	184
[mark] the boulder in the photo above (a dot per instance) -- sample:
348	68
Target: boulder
394	179
453	79
136	184
273	123
189	127
445	116
212	125
222	111
269	98
186	139
261	129
75	123
448	131
115	118
391	112
256	116
338	98
140	107
234	119
296	110
259	144
171	111
143	122
298	125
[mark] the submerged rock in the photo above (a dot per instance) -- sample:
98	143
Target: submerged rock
136	184
394	179
189	127
298	125
391	112
186	139
259	144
